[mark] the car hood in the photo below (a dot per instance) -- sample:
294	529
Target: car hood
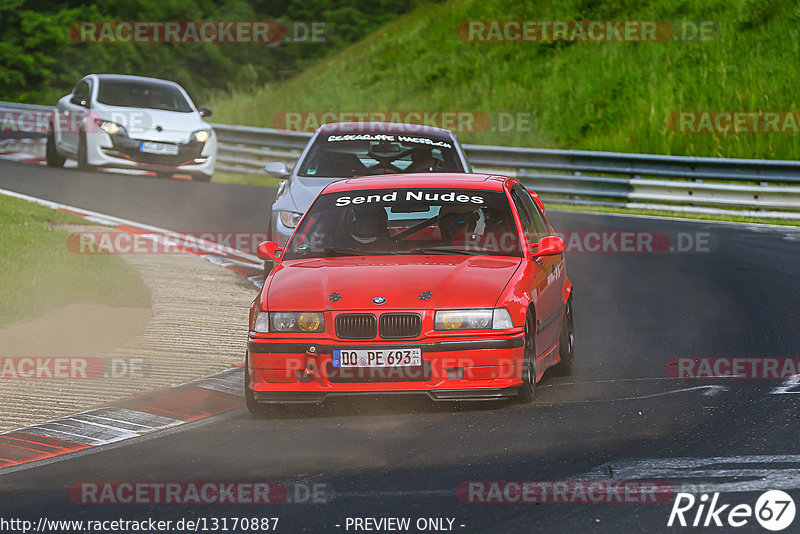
302	191
144	124
454	282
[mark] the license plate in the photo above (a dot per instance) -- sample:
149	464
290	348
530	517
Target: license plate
158	148
377	357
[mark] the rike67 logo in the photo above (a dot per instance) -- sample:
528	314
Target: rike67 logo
774	510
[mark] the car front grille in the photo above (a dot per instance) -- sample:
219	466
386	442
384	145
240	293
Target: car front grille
400	325
390	326
356	326
186	152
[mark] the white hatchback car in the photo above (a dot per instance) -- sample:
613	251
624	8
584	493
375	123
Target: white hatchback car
119	121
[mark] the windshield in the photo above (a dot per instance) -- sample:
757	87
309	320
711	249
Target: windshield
407	221
348	155
137	94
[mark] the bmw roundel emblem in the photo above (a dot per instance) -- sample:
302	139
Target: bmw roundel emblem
378	300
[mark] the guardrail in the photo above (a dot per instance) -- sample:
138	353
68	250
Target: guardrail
762	188
751	187
35	118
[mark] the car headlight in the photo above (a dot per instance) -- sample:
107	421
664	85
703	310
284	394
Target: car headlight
479	319
261	322
296	322
201	136
111	128
290	219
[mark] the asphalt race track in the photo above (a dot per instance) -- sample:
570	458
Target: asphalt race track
619	417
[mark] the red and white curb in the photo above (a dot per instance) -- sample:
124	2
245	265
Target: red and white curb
23	150
122	420
140	415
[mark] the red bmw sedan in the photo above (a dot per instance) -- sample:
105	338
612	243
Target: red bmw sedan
450	285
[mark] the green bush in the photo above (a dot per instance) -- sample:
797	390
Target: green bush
39	63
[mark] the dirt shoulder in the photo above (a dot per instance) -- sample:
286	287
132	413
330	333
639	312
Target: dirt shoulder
197	326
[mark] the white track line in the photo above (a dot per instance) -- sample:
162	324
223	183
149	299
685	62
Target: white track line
110	220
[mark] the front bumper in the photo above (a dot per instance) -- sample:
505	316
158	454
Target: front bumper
123	153
487	368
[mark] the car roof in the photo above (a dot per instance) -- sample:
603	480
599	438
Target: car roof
491	182
128	77
383	127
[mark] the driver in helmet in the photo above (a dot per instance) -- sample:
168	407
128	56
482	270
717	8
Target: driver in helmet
458	223
366	228
421	161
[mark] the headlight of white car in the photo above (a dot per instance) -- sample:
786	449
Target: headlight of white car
111	128
201	135
290	219
477	319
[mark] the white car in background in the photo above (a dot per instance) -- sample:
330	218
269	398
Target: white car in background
132	122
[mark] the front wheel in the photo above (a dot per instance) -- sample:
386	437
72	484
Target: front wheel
53	158
528	388
83	158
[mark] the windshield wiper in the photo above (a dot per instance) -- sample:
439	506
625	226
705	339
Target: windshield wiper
445	250
341	251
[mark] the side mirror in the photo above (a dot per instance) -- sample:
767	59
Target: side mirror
277	169
549	246
204	111
536	199
78	101
269	250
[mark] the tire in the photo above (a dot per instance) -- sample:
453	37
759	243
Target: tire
53	158
200	177
83	163
528	388
566	343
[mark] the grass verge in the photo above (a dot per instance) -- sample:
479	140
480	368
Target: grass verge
613	96
39	272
